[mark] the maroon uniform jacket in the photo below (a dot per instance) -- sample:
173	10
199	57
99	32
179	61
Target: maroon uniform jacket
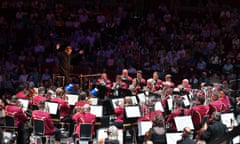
85	117
215	106
119	111
19	116
37	99
226	104
64	106
48	122
198	112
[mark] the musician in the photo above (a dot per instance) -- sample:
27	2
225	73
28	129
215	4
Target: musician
84	117
48	122
150	114
104	81
168	81
119	111
215	129
112	137
118	84
20	118
224	99
125	77
157	134
134	88
82	100
150	87
22	93
198	111
104	85
38	98
157	83
186	137
64	106
139	79
185	87
215	104
178	111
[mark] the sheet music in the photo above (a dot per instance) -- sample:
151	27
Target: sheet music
170	104
158	106
132	111
228	119
134	100
52	107
93	101
25	103
141	97
236	140
121	100
186	100
183	121
97	110
172	138
72	99
102	134
143	127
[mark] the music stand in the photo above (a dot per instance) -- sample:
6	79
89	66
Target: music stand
97	110
183	121
25	103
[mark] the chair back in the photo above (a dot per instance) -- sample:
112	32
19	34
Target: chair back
38	127
10	122
85	131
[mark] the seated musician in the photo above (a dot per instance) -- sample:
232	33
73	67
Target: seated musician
84	117
15	109
149	114
22	93
186	137
48	122
38	98
224	99
199	111
215	104
112	137
178	111
157	134
64	106
150	87
134	87
125	77
82	100
119	112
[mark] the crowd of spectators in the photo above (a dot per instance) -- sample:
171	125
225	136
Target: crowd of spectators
202	46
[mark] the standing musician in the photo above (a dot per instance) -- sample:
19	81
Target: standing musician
118	84
168	81
185	87
20	118
157	83
48	122
178	111
104	85
125	77
139	79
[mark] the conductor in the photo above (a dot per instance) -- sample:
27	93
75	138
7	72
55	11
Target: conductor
65	61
